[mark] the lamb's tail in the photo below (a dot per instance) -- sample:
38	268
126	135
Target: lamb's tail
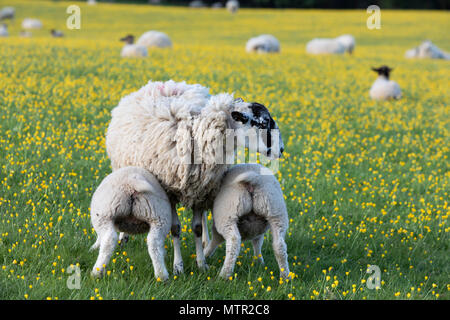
249	177
141	186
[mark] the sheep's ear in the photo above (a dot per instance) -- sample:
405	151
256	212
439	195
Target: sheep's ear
238	100
238	116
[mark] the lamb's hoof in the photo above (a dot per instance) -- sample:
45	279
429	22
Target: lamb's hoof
178	268
203	266
97	273
163	276
224	275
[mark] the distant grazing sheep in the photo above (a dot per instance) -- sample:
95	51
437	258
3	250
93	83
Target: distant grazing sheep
196	4
250	201
232	6
7	13
383	88
154	39
4	30
264	43
131	50
31	23
339	45
427	50
130	200
56	33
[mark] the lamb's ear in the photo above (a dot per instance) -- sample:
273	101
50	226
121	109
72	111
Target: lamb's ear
238	116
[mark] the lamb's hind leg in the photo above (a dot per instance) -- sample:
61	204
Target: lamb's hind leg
175	230
279	246
214	243
257	244
155	243
205	233
233	246
108	240
197	228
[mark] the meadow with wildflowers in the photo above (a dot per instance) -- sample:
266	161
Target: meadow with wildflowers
365	182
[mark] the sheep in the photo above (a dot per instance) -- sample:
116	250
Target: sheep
154	39
216	5
132	200
131	50
196	4
7	13
264	43
163	125
232	6
339	45
383	88
25	34
92	2
4	30
427	50
250	201
56	33
31	23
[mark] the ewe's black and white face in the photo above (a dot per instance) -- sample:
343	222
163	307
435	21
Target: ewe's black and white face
256	129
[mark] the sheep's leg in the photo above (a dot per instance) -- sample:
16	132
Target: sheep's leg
197	227
155	243
279	247
214	243
233	246
108	240
257	244
205	233
123	238
178	267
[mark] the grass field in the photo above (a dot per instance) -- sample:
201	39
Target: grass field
365	183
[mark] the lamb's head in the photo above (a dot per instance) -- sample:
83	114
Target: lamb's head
255	128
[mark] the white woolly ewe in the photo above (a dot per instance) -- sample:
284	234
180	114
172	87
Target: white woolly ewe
7	13
4	30
31	23
264	43
154	39
164	124
130	200
131	50
339	45
250	201
383	88
427	50
232	6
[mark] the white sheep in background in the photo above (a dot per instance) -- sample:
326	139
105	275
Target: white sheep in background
164	124
31	23
91	2
427	50
130	200
232	6
383	88
4	30
131	50
264	43
339	45
154	39
250	201
196	4
7	13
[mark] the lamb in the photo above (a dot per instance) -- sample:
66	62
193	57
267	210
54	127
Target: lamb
31	23
178	132
7	13
427	50
132	200
4	30
56	33
154	39
264	43
232	6
131	50
339	45
250	201
383	88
